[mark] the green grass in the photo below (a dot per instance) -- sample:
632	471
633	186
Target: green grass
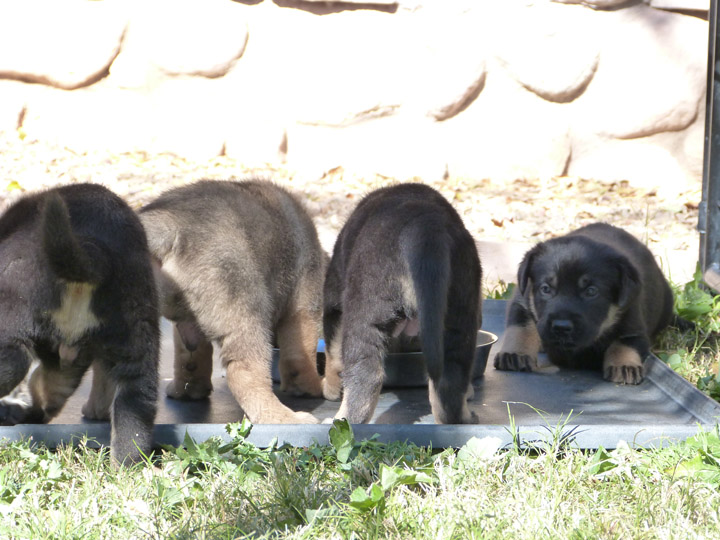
364	489
694	353
367	489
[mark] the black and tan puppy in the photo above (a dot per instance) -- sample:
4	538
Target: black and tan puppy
76	289
592	299
403	263
240	265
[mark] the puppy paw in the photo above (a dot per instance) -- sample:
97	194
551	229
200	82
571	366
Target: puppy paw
305	418
309	385
287	416
194	390
510	361
624	374
92	411
622	364
331	391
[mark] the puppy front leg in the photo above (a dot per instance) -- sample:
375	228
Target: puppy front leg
622	364
192	368
521	344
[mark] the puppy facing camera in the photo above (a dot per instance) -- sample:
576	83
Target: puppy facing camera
76	290
592	299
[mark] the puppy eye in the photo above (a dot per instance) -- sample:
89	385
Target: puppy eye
545	289
591	291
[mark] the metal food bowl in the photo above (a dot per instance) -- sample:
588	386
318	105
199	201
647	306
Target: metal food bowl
407	367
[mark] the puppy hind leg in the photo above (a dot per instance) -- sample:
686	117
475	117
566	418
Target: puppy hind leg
102	393
133	416
363	350
50	388
297	336
192	368
332	384
247	362
449	393
134	372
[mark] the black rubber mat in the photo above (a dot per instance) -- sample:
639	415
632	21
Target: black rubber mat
664	407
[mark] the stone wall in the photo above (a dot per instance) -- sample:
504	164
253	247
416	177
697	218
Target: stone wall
601	89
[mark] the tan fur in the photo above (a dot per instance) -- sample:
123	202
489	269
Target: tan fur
193	287
520	344
192	370
51	388
622	364
74	317
332	382
613	316
248	376
101	396
297	340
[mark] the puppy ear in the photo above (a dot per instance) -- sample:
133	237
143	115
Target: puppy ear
629	285
525	268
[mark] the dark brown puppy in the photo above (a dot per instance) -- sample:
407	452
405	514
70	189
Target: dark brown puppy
402	263
593	299
239	263
76	288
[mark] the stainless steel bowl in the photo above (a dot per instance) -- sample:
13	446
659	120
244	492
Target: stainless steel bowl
407	369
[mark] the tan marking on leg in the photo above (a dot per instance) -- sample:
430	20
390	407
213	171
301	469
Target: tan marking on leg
612	317
622	364
297	337
74	318
332	383
192	370
247	362
102	393
520	349
51	388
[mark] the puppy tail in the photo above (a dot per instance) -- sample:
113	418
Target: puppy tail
68	256
429	263
160	231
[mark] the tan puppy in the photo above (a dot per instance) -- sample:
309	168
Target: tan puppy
239	265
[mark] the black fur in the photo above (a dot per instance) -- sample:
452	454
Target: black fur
399	239
584	292
79	238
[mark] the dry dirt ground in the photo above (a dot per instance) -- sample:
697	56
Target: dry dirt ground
505	217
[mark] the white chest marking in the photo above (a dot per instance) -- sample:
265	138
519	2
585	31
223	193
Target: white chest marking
74	317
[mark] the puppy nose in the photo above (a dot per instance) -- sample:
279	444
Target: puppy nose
562	327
